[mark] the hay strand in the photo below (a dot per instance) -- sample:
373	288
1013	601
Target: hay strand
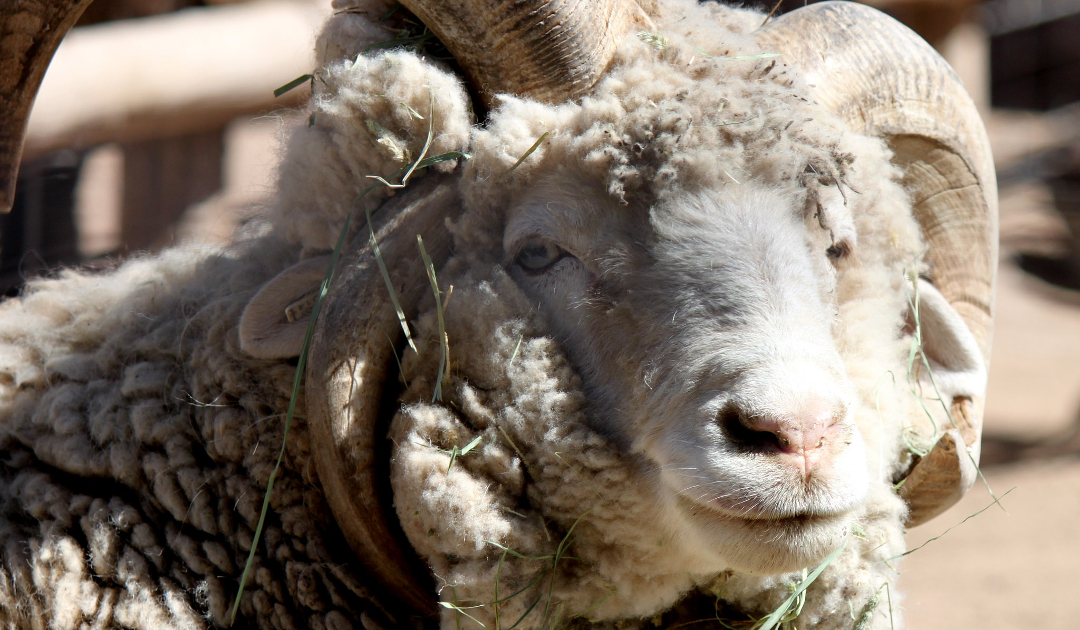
969	517
534	147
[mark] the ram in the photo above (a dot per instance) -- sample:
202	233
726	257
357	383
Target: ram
687	307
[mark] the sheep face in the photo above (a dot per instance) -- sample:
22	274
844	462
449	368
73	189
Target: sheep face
723	375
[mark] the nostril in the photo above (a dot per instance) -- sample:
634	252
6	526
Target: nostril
814	431
797	434
749	436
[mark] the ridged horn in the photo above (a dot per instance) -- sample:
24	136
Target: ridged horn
886	81
352	365
30	31
548	50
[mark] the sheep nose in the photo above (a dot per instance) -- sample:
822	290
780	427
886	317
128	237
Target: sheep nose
801	437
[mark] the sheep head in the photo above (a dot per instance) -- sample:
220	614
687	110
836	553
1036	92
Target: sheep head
730	415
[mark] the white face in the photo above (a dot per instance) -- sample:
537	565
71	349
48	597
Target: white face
702	329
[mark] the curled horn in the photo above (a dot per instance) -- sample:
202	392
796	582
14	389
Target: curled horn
548	50
886	81
30	31
352	364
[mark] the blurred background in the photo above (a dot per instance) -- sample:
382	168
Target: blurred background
156	124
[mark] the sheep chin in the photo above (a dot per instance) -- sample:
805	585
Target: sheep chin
768	547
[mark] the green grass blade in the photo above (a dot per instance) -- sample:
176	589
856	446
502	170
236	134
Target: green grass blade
925	361
291	85
412	112
298	379
741	58
498	572
599	603
564	544
772	620
389	283
527	611
382	180
750	57
514	553
417	166
495	602
444	341
442	157
736	122
888	595
461	611
471	445
397	359
516	348
453	457
394	8
427	143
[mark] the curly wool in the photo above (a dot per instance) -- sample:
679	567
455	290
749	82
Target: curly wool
694	105
137	443
372	116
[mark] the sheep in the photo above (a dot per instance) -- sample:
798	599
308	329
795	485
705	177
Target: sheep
703	276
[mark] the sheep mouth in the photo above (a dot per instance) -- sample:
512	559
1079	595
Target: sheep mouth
763	515
768	544
769	494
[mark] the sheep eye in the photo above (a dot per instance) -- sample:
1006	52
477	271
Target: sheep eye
836	251
538	254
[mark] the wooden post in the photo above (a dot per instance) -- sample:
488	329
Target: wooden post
162	178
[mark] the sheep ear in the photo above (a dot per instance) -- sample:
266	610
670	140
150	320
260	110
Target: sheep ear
953	352
947	472
276	319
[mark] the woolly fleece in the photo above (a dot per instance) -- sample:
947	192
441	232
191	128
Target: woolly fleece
137	442
371	117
